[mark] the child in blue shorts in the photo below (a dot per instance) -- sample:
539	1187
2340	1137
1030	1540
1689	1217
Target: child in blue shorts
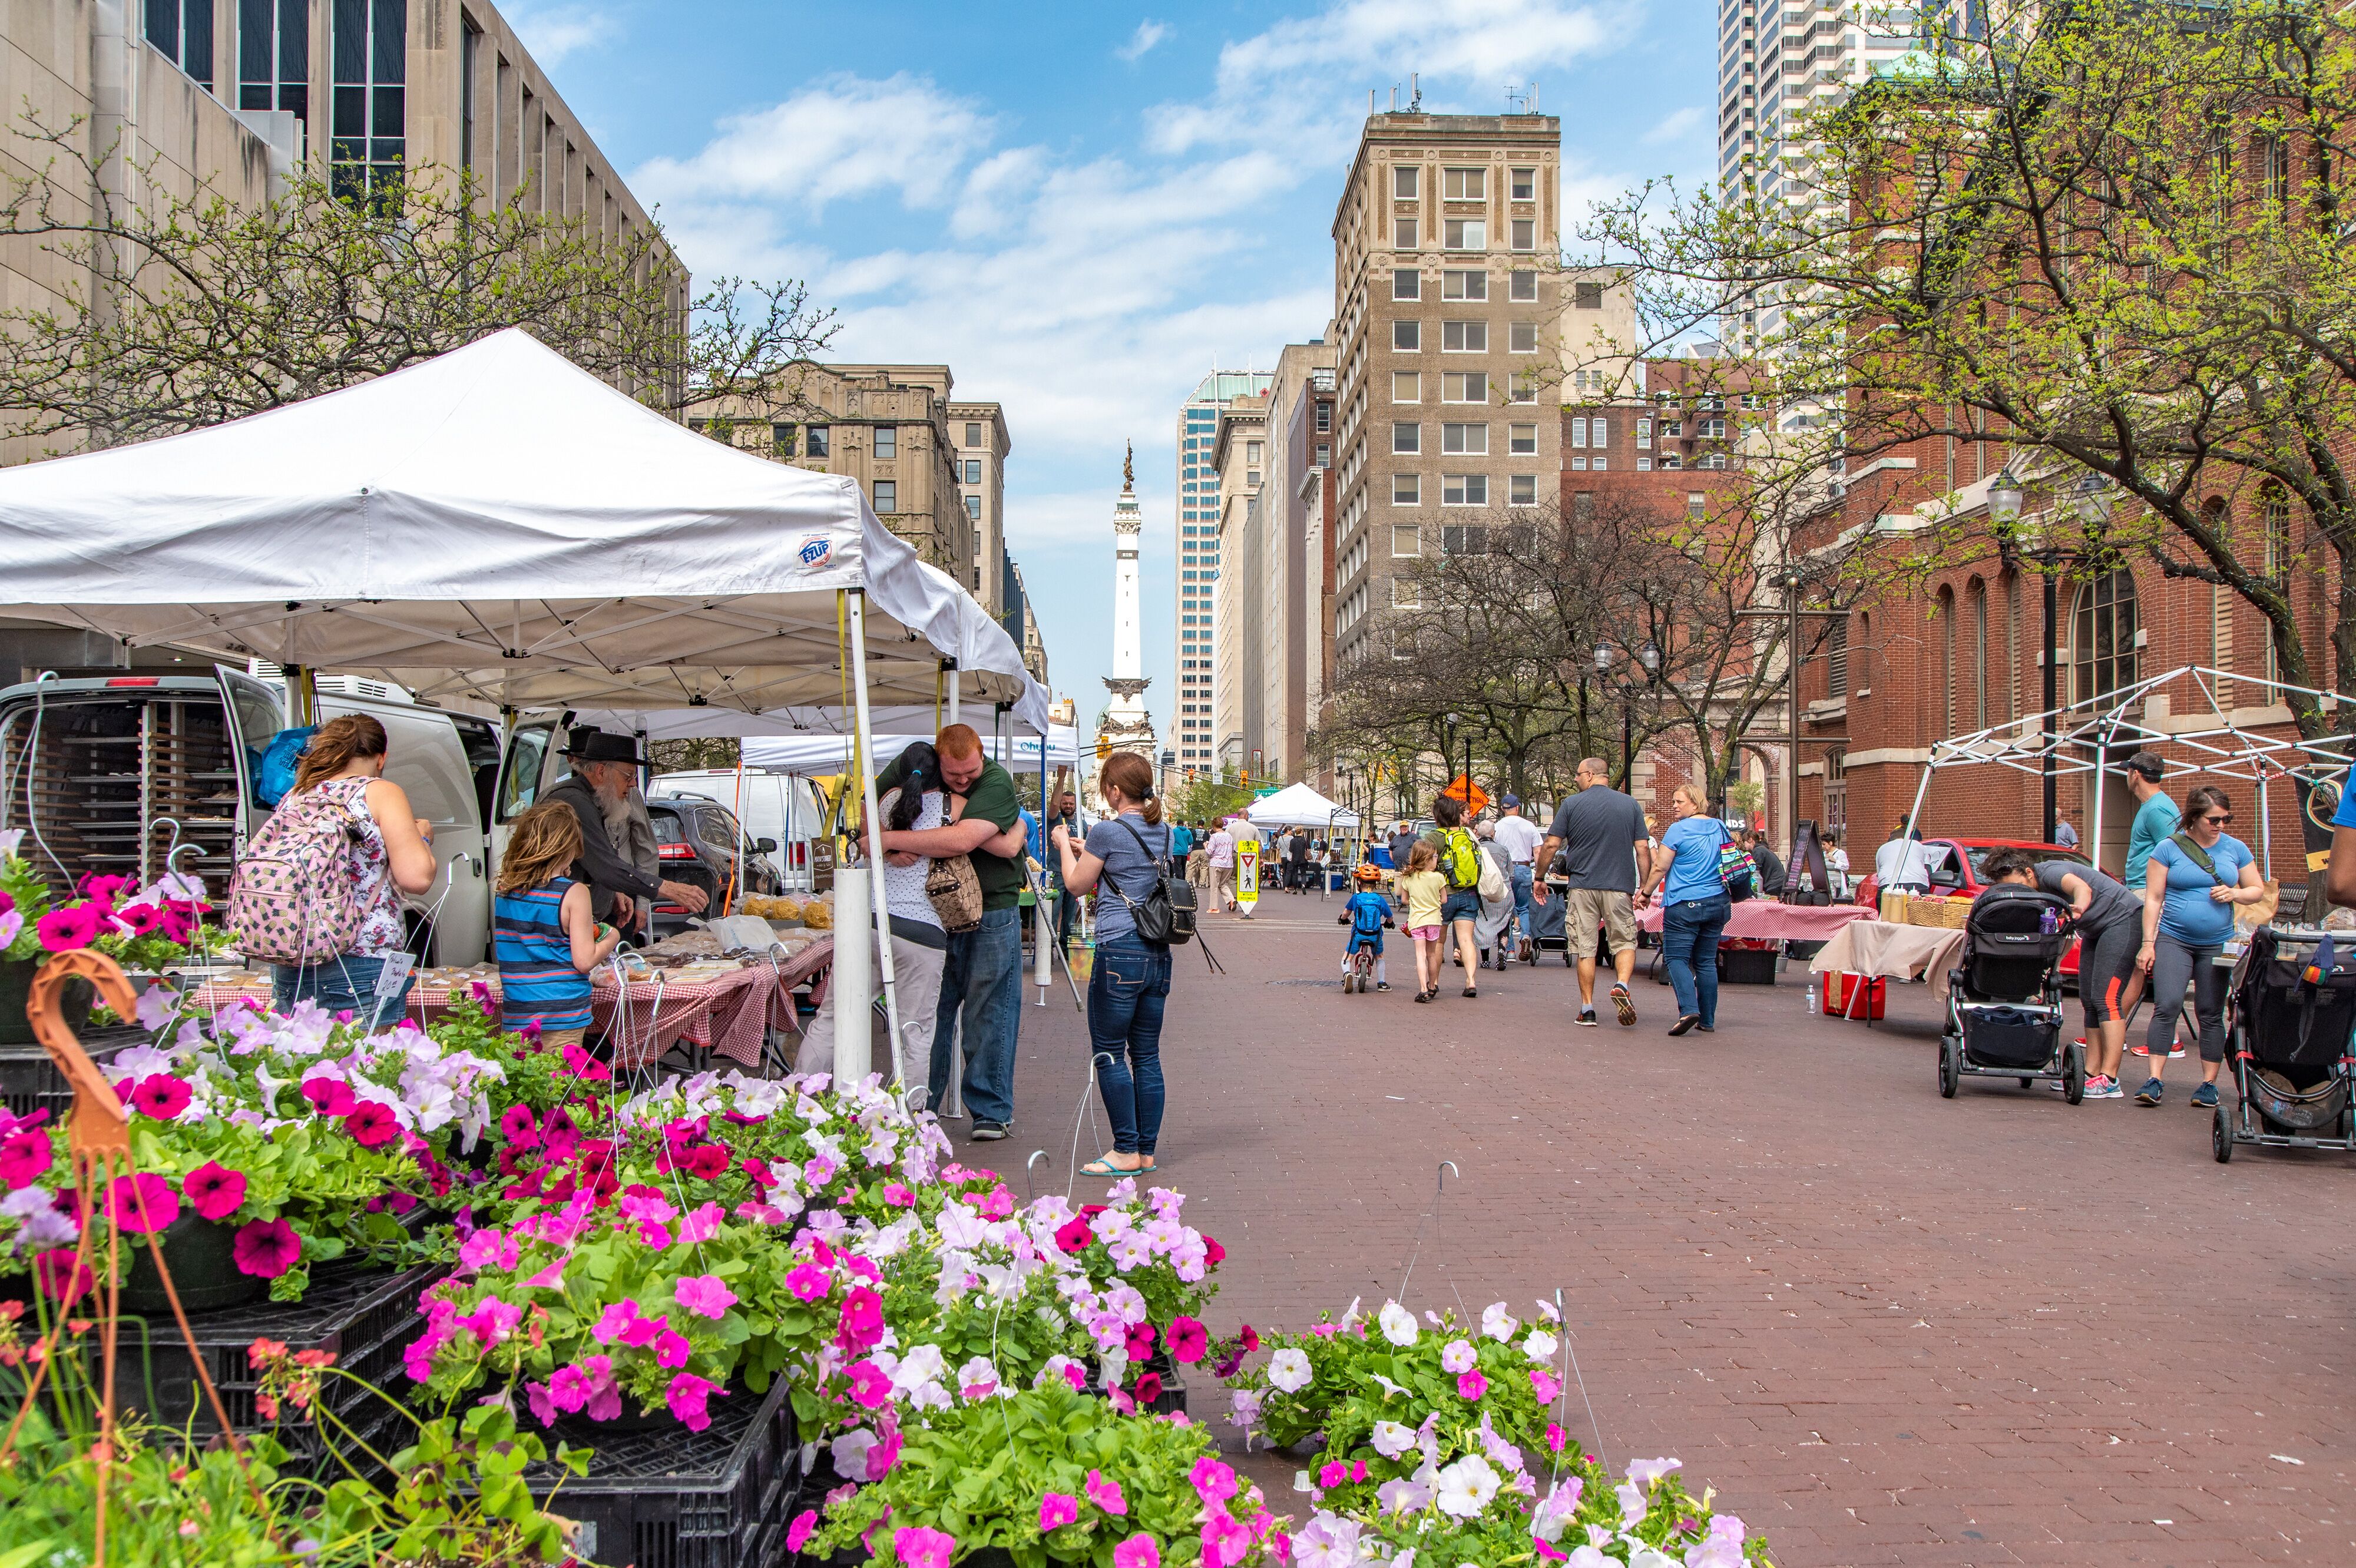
1366	913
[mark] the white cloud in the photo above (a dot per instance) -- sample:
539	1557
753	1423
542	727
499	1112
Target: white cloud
1676	126
1148	34
553	32
842	136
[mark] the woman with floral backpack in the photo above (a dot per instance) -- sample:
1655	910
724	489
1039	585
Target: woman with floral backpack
328	872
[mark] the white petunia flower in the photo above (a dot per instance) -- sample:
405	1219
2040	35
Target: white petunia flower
1540	1345
1497	1323
1458	1356
1391	1439
1289	1371
1399	1323
1466	1487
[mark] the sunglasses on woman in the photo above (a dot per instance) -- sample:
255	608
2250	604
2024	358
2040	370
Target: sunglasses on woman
2224	820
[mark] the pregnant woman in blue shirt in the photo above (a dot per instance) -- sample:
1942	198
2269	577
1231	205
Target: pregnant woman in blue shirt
2197	876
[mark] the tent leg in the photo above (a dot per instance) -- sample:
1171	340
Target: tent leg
850	1043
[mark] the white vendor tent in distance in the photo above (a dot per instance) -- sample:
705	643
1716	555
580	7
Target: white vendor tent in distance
1299	806
496	523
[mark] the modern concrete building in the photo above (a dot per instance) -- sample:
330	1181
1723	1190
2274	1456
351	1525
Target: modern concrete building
1290	587
1448	324
1240	457
1190	734
979	457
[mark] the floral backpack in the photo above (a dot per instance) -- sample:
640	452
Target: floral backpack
293	901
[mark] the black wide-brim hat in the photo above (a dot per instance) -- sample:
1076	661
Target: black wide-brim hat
587	743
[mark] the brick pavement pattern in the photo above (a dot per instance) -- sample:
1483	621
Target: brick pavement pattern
1890	1328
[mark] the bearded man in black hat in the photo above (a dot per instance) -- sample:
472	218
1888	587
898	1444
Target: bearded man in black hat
604	771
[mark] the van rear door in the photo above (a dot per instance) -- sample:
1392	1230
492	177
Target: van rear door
255	711
526	766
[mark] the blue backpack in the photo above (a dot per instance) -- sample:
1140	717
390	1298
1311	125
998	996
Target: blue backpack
1366	913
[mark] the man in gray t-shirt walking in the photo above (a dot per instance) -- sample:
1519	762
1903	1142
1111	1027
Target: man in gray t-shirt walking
1607	853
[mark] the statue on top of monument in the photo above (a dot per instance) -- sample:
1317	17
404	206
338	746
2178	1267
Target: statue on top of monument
1128	467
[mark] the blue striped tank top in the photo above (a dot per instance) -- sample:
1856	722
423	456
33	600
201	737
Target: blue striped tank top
537	979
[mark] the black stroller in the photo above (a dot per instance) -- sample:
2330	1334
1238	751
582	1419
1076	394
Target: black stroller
1550	921
2003	1002
2288	1026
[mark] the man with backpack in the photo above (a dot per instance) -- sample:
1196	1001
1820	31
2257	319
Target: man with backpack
1608	853
1459	861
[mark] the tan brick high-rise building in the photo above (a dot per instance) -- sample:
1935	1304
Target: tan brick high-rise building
1447	309
1240	458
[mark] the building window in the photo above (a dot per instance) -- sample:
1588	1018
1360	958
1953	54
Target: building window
973	507
1598	431
1522	440
1578	433
1587	296
972	435
1464	490
1407	490
818	441
1945	611
1523	186
1644	465
1524	233
973	470
1464	539
1978	649
1407	437
1600	464
1403	594
1325	419
1713	430
2104	635
368	138
1251	453
1468	386
1463	336
1463	282
1464	234
781	440
887	497
1465	183
1407	337
1406	182
1522	287
887	441
1465	440
1402	233
1523	386
1522	489
273	56
1406	283
1407	386
1696	505
1643	434
182	30
1407	539
1710	460
1522	338
1836	659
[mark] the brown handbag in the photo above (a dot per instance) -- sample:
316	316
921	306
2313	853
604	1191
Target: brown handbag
955	893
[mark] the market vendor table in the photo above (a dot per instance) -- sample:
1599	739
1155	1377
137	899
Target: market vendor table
727	1013
1764	919
1870	947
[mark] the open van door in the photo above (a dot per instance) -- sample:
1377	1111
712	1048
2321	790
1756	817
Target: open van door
254	712
529	764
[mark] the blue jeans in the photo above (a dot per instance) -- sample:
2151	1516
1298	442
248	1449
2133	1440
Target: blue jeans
341	984
983	981
1126	996
1525	923
1689	932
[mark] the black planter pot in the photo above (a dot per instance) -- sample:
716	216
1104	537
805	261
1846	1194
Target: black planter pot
17	988
201	1254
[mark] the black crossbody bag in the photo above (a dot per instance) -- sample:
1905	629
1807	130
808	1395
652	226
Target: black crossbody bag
1165	915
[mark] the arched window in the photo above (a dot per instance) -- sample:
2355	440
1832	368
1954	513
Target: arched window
1976	628
2281	560
2219	517
1947	661
2104	637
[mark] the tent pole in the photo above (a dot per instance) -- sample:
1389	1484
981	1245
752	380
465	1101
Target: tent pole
852	1049
953	693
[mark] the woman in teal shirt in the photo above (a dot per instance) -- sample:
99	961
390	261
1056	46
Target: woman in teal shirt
2197	876
1694	907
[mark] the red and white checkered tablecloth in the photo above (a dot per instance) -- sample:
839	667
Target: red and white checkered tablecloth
726	1014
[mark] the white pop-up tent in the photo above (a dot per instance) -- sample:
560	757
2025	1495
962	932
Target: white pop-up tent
1299	806
496	523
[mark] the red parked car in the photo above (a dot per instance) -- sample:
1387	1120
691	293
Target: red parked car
1959	872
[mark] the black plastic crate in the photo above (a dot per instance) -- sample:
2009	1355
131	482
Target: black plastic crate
29	1081
1747	966
368	1319
667	1498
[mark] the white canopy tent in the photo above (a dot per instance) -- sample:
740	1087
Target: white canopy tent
1300	806
499	524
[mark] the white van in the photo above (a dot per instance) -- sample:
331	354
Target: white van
786	807
110	772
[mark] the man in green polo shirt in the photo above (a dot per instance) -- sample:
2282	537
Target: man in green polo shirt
982	979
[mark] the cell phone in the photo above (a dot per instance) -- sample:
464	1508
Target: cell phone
604	931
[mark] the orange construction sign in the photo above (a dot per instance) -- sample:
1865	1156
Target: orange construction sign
1475	799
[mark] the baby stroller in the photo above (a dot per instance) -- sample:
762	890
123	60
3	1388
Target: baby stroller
2003	1002
2287	1023
1550	921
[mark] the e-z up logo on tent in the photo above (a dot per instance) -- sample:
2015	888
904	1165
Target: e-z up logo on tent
815	552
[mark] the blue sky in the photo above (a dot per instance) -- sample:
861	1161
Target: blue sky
1082	208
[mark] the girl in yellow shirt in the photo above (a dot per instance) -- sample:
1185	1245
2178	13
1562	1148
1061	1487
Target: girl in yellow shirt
1426	891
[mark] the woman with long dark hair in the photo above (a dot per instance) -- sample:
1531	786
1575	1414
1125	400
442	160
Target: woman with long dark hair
1119	863
390	853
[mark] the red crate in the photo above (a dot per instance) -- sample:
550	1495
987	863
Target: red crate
1854	996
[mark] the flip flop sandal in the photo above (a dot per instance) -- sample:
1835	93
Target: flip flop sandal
1097	1168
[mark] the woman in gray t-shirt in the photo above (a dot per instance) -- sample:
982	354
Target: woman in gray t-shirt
1119	864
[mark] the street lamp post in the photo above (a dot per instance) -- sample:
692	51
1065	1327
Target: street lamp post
1650	659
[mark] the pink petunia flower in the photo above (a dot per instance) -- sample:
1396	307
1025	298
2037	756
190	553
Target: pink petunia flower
871	1386
686	1397
897	1195
24	1157
671	1348
703	1294
329	1096
917	1547
63	931
1056	1510
1472	1385
1137	1552
807	1282
1140	1341
62	1276
142	1203
1544	1384
861	1324
798	1533
214	1190
266	1247
1106	1494
1075	1235
161	1096
371	1124
883	1456
1188	1340
614	1322
1213	1482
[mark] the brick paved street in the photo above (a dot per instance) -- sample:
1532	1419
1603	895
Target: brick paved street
1890	1328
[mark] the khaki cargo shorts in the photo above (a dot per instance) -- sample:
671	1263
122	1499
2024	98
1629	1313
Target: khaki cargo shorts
1593	906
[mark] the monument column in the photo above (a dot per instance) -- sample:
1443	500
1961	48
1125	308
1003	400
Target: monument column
1127	725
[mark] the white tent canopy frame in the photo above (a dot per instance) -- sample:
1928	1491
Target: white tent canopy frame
1299	806
497	523
2102	732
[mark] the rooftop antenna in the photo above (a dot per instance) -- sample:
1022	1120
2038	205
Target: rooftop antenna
1393	97
1415	86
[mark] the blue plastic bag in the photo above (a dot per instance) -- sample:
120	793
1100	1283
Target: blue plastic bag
274	774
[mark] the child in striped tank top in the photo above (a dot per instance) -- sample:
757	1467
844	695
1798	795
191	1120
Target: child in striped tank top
547	939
